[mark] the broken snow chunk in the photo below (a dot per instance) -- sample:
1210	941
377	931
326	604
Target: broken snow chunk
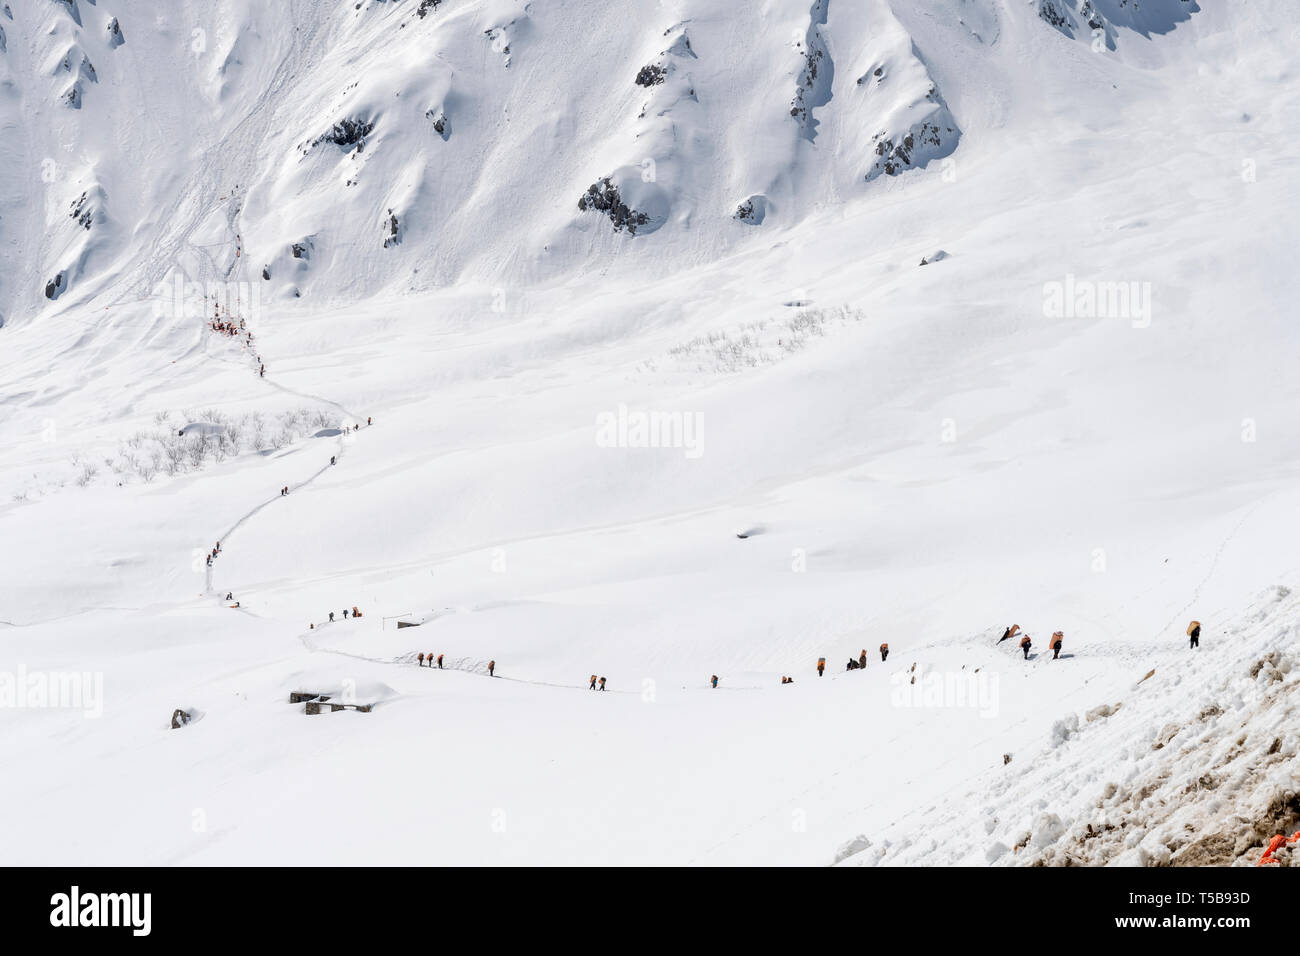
851	847
1064	728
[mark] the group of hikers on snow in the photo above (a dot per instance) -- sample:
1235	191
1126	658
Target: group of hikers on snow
432	661
1057	639
333	458
853	665
227	327
1055	643
355	613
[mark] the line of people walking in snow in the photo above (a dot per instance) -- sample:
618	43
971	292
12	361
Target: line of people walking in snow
355	613
598	683
437	661
334	460
228	327
1054	644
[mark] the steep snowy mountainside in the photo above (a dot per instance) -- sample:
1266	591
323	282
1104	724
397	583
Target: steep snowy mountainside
1189	763
412	145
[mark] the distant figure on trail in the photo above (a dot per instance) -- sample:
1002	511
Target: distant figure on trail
368	421
345	614
594	678
715	682
862	658
492	666
1194	634
230	595
439	662
332	460
1055	644
1009	632
331	617
852	665
787	680
1025	645
209	560
602	683
421	658
821	666
884	652
355	612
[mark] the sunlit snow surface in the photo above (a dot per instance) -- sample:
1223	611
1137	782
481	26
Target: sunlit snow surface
918	455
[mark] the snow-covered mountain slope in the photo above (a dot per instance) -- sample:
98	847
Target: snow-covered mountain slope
1194	764
413	146
660	389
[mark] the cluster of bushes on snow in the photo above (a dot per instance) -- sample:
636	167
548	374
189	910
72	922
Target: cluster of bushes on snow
761	342
188	443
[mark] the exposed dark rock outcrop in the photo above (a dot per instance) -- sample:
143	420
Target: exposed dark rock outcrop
651	75
441	125
115	38
82	213
348	132
814	85
56	286
752	211
602	196
1050	13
